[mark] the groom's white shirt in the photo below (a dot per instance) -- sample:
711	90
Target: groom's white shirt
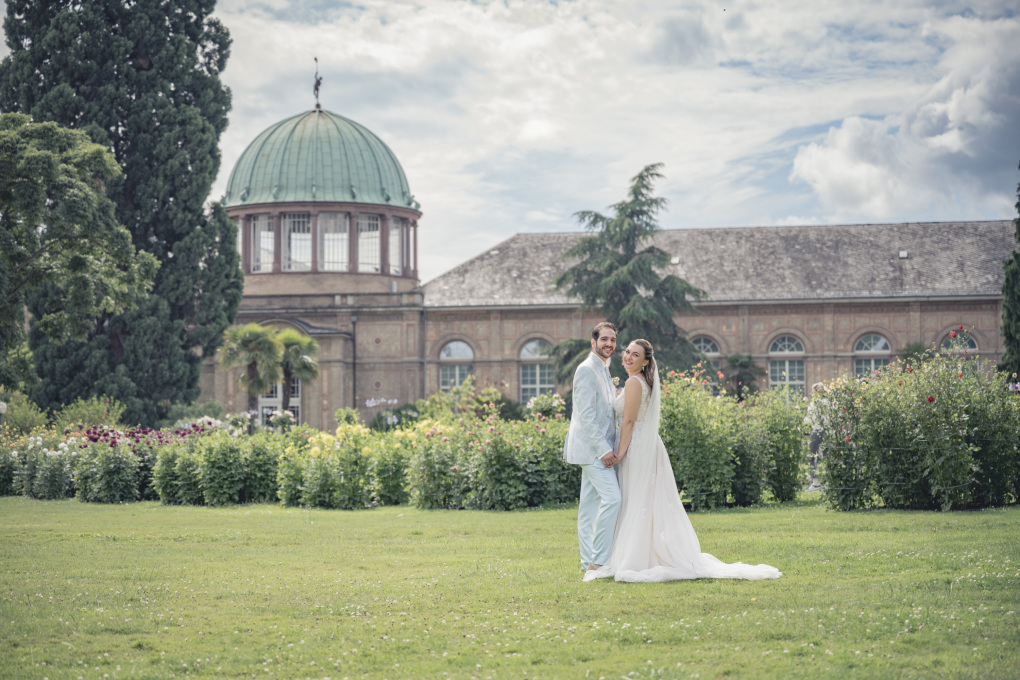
592	432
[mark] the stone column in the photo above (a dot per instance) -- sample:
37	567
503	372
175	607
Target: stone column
352	243
244	224
315	242
277	243
384	244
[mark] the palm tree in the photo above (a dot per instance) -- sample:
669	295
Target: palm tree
253	348
298	362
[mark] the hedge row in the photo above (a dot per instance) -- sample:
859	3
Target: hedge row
938	434
725	451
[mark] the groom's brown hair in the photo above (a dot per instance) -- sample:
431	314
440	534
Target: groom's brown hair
598	329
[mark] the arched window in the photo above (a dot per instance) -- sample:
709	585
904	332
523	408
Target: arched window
454	364
962	341
964	347
710	349
786	371
876	350
536	377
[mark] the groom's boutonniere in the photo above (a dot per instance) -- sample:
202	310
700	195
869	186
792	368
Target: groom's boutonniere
616	381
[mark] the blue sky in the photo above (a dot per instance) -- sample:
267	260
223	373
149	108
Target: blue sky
511	116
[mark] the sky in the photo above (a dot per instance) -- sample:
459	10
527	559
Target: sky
510	117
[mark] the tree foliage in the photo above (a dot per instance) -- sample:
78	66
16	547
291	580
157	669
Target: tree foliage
143	80
617	273
58	233
1011	305
255	349
297	362
743	377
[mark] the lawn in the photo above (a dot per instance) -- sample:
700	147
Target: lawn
148	591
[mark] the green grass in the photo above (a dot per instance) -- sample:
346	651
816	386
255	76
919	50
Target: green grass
146	591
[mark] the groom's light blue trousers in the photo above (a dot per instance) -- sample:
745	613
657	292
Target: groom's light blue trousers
596	512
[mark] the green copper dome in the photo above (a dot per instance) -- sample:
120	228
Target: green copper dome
318	157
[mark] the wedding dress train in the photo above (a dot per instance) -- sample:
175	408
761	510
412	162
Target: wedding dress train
654	539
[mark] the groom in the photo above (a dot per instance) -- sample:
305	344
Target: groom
590	443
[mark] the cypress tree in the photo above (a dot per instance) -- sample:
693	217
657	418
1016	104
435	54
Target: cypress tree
1011	305
142	79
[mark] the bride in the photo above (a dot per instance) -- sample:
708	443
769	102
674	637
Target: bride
654	539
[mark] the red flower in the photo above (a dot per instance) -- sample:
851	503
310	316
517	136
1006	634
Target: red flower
705	381
961	326
931	399
848	437
960	375
910	369
900	382
952	334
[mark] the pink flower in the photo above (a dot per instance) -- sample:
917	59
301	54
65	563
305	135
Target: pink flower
446	439
931	399
961	326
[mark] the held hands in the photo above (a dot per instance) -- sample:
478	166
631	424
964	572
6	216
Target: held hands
611	459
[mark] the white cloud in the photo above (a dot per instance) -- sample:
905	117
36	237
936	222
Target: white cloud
511	116
939	157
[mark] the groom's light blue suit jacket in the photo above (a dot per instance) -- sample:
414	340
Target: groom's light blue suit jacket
592	431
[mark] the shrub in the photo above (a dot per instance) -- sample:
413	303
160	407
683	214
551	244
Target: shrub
327	471
848	470
388	471
996	447
106	473
936	433
164	474
53	476
84	413
750	460
696	431
290	476
22	416
499	473
552	479
188	475
221	469
8	464
261	455
781	422
438	477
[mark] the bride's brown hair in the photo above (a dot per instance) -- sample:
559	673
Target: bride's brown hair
649	370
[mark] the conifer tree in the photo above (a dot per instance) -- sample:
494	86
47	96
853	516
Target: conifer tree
143	80
58	233
1011	305
619	275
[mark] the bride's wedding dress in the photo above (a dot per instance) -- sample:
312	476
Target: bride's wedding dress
654	539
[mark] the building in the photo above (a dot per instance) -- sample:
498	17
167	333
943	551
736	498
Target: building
328	232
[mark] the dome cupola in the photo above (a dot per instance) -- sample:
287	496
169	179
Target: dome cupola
318	157
322	205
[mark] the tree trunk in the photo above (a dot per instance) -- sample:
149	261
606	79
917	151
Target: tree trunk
253	399
285	397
